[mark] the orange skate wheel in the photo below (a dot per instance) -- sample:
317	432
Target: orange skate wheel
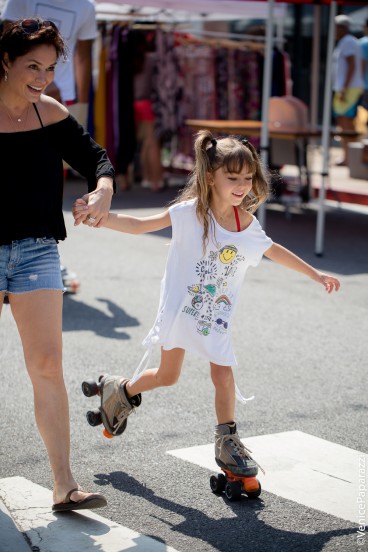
252	487
107	434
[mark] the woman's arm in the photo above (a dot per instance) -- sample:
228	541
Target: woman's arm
283	256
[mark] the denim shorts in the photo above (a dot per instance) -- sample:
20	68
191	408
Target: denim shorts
30	265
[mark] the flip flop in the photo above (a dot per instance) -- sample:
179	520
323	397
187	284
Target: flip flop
94	500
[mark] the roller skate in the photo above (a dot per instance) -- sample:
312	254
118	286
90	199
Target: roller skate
239	468
115	406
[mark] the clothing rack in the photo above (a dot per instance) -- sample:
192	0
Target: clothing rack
226	75
219	42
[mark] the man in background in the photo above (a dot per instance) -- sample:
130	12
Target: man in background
347	79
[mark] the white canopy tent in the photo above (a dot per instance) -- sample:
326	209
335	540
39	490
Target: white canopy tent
188	10
269	10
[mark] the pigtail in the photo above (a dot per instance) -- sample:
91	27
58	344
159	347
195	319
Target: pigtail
198	187
260	186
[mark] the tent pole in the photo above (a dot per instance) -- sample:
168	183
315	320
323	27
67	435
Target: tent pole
326	132
266	90
315	65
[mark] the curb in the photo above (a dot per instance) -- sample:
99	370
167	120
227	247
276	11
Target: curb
11	538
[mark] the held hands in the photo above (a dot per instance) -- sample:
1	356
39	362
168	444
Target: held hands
93	208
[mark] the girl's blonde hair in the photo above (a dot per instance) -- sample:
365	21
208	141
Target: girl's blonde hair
233	154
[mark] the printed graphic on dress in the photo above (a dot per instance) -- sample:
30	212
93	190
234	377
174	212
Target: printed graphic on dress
222	302
203	327
211	297
227	254
206	269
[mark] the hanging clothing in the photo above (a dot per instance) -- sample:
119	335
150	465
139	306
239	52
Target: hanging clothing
99	105
126	144
166	92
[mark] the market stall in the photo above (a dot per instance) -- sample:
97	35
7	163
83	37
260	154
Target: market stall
242	8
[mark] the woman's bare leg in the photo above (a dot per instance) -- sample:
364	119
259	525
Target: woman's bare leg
42	347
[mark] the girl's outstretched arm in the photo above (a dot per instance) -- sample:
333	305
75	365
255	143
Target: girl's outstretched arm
138	225
283	256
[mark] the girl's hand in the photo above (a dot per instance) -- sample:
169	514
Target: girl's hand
329	282
80	211
93	209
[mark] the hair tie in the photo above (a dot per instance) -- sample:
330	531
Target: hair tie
214	142
245	142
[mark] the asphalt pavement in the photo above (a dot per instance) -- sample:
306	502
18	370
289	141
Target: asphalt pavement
302	354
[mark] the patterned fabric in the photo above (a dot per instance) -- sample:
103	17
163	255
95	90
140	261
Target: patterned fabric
167	91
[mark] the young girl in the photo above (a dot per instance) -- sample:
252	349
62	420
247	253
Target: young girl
215	238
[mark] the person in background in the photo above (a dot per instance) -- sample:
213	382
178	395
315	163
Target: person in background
347	79
149	146
36	134
215	239
364	45
150	152
76	21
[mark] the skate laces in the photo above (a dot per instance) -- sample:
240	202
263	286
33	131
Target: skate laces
122	416
240	448
124	412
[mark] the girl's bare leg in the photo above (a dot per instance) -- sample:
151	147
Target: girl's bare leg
223	380
230	453
42	347
166	374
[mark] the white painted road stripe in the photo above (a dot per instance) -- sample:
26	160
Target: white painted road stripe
30	507
301	468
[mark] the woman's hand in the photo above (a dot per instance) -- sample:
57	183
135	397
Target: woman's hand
93	208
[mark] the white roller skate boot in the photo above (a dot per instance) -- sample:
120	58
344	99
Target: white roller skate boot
116	406
231	454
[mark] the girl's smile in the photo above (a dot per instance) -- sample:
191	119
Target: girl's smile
229	189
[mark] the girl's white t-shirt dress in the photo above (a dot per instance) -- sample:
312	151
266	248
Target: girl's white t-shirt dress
199	290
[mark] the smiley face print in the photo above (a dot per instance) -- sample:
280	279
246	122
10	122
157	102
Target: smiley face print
227	253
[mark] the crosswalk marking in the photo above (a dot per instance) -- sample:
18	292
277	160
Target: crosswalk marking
30	507
299	467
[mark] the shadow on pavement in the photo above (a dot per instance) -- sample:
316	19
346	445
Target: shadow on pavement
219	533
78	316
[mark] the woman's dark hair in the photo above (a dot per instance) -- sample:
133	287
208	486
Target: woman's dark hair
17	42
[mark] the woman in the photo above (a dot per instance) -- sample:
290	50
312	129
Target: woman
36	134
